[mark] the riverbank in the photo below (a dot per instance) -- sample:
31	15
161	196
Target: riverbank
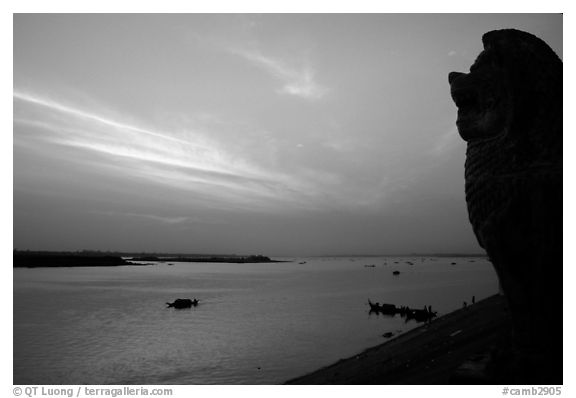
453	349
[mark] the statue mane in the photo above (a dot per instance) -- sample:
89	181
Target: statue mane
534	76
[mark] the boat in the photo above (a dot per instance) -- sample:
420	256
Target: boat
183	303
388	309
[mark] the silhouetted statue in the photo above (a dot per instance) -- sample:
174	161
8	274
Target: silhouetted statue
510	114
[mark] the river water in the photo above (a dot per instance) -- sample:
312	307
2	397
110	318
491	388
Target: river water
256	323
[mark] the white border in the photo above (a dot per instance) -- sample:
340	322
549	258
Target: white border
253	6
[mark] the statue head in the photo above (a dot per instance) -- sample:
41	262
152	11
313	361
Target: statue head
515	80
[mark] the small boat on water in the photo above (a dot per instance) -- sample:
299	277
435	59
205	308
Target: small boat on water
425	315
388	309
420	315
183	303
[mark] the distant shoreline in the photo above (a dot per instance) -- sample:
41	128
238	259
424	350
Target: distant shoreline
411	255
62	260
211	259
68	260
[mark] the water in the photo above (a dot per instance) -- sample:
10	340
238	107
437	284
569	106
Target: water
256	323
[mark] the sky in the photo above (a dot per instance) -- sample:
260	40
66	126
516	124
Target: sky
274	134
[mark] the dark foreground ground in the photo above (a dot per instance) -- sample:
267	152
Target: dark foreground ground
453	349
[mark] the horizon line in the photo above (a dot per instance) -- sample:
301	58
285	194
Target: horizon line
130	252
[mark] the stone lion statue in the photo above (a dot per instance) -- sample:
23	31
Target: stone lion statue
510	115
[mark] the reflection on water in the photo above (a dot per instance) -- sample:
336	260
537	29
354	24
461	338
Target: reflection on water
256	323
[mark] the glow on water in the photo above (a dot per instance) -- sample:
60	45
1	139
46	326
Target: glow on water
256	323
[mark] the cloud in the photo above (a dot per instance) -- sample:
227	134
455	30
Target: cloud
297	81
85	115
186	160
153	217
189	160
170	220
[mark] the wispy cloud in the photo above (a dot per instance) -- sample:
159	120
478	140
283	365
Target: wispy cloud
186	160
298	81
153	217
88	116
170	220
